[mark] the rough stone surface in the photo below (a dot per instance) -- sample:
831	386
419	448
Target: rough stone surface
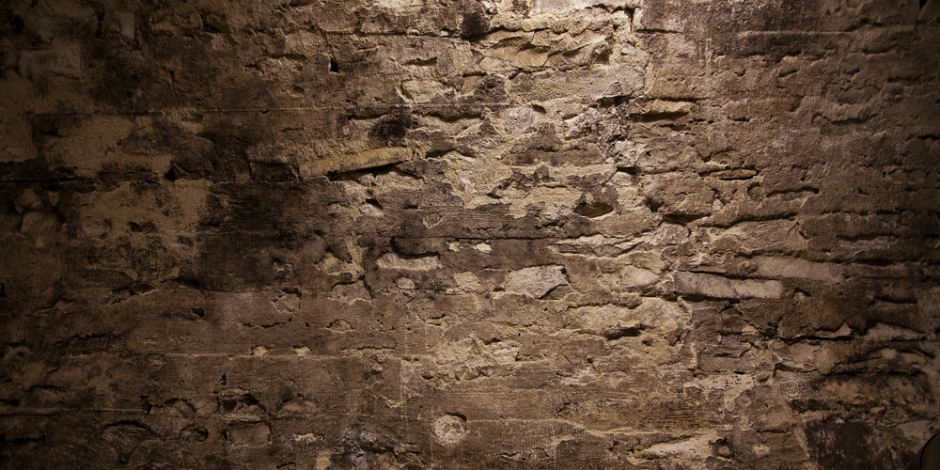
709	285
536	281
401	234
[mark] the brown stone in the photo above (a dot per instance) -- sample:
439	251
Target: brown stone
315	234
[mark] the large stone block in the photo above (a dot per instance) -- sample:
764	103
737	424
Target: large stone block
710	285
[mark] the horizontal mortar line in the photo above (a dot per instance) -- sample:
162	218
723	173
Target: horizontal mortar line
265	110
393	232
320	357
798	32
435	237
594	391
10	411
392	235
573	423
394	34
46	180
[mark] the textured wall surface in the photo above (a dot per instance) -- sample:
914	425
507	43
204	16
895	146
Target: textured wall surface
311	234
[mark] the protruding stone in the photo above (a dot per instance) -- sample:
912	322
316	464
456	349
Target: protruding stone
632	276
535	281
417	263
709	285
783	267
449	429
597	245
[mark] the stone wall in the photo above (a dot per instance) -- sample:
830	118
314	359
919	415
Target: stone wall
311	234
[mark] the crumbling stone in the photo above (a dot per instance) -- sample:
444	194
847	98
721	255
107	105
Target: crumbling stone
313	234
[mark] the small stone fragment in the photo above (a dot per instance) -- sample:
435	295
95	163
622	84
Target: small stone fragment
536	281
449	429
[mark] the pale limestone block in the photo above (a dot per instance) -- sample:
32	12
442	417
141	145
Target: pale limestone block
784	267
567	6
632	276
421	263
710	285
535	281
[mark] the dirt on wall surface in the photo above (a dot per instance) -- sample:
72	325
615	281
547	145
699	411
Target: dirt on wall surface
408	234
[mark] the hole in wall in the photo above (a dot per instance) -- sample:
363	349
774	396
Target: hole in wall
18	23
593	209
334	67
474	26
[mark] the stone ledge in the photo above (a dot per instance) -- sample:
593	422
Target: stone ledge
710	285
780	266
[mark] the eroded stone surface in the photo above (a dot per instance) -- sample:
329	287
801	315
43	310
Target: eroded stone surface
449	429
468	234
708	285
536	281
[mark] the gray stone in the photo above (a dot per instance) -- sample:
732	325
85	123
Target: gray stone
322	234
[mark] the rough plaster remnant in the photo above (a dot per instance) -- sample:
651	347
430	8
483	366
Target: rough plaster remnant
688	449
884	332
420	263
484	247
308	437
598	245
254	434
781	267
752	237
566	6
605	320
405	284
449	429
350	293
65	61
422	90
844	331
468	281
313	166
323	461
709	285
536	281
635	277
398	4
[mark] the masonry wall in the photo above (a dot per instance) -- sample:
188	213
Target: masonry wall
567	234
